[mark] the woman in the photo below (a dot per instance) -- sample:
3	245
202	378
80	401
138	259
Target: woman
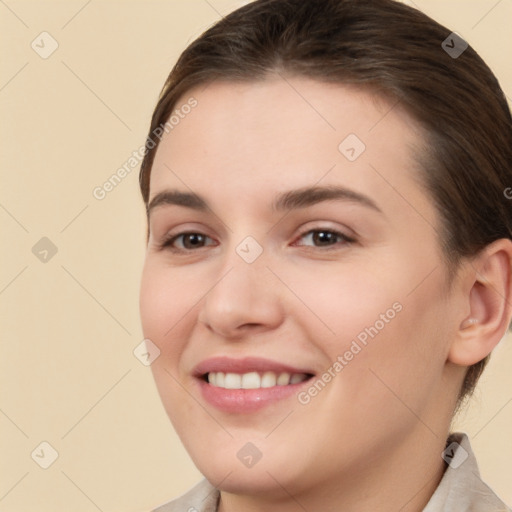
329	255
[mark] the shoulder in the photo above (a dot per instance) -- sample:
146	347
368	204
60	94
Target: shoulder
462	489
203	497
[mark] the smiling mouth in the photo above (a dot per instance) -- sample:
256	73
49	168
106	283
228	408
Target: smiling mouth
254	380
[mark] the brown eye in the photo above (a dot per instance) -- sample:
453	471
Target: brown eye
188	241
326	238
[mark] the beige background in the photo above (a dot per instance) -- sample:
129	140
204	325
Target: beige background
69	326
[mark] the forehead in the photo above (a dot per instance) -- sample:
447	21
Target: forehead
251	139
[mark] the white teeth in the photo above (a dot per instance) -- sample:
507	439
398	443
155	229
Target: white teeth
253	380
295	378
220	379
232	381
283	379
268	380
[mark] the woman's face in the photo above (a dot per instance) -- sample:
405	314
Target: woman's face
321	318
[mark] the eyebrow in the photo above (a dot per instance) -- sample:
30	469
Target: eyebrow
286	201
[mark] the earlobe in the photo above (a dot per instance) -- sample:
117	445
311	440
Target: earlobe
489	302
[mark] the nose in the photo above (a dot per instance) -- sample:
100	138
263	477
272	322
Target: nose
245	298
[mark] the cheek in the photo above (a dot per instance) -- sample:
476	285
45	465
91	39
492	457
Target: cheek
345	303
164	303
401	366
166	299
375	319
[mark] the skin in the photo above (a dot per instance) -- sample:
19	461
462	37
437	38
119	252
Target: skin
372	438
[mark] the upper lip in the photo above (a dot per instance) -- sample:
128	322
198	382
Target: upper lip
244	365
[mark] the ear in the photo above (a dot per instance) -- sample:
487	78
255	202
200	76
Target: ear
489	303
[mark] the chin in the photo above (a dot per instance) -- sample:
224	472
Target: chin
229	467
247	482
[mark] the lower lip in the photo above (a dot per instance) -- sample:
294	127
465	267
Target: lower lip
246	400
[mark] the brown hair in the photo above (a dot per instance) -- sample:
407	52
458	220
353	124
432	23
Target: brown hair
396	51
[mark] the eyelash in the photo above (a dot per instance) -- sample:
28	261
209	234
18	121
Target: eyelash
168	241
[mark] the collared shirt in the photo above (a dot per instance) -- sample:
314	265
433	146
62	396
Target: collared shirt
460	490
